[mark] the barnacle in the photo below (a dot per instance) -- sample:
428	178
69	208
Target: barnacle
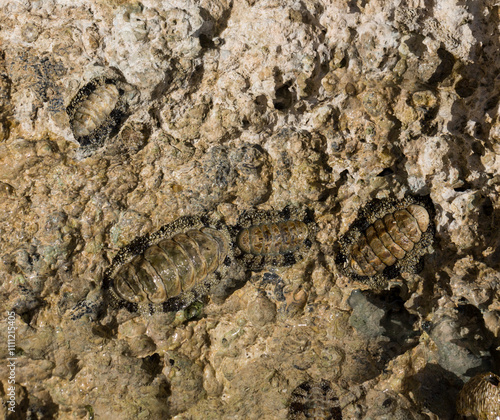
480	397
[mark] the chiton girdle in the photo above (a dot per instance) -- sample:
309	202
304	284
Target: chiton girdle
314	399
388	237
98	110
171	268
273	238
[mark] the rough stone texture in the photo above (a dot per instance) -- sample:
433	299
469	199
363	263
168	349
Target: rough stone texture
234	105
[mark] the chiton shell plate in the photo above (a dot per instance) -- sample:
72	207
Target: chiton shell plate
170	268
388	237
98	110
273	238
315	400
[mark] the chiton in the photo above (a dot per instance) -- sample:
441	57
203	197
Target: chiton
480	397
171	268
388	237
97	111
266	238
314	400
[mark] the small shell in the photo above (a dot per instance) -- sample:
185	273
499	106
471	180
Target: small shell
273	237
314	400
388	237
261	311
480	397
295	302
178	259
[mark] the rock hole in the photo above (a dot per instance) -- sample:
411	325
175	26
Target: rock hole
386	172
284	97
445	67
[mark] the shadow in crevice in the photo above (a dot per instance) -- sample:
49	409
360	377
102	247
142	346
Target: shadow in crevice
436	390
382	319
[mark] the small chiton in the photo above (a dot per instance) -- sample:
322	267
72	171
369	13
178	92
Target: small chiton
480	397
171	268
266	238
97	111
314	400
388	237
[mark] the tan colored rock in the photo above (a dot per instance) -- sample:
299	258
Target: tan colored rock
232	106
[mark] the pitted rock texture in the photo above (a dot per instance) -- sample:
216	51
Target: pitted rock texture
232	107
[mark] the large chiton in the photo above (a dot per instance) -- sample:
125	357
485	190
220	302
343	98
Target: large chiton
171	268
98	110
388	237
480	397
263	238
314	400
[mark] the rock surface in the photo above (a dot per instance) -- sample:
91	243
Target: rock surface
228	106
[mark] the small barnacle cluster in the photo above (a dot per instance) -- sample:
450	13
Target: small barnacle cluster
388	237
171	268
480	397
314	399
227	172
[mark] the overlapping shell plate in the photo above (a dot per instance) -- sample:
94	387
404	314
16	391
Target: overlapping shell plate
480	397
98	110
180	262
315	400
171	267
273	238
388	237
